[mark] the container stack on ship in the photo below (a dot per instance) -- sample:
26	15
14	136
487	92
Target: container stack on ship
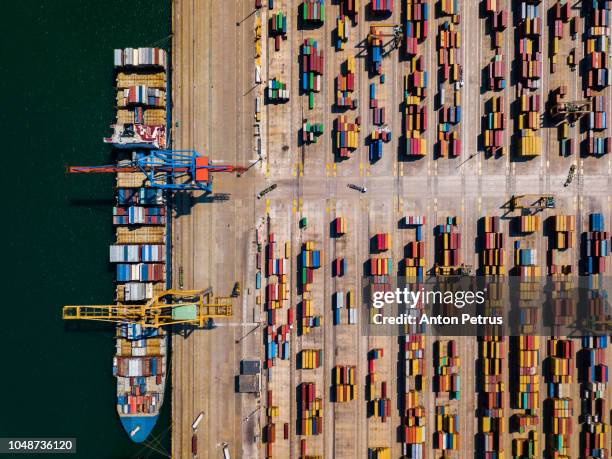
139	252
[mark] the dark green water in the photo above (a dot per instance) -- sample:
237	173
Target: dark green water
57	102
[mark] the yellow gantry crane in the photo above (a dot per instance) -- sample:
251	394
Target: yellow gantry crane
171	307
532	202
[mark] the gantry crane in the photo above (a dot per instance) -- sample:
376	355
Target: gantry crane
459	270
167	169
171	307
575	109
397	33
539	202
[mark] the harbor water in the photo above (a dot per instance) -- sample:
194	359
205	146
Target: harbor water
58	100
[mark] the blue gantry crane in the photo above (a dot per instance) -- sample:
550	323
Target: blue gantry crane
171	170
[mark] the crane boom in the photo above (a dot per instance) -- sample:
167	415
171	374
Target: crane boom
171	307
158	164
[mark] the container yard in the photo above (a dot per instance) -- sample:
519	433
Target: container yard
372	139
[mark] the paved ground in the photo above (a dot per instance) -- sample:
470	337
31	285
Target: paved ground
215	242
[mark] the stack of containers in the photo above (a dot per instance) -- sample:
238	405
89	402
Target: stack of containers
561	15
312	131
308	318
140	57
496	71
449	245
598	30
278	28
347	136
417	23
598	146
563	305
275	299
345	83
415	114
564	228
312	68
141	95
446	436
310	410
526	447
310	359
449	42
381	266
491	422
595	246
499	21
495	123
377	137
339	226
277	91
382	6
530	55
414	263
378	113
529	223
446	369
597	117
140	196
376	47
147	253
382	242
350	307
277	344
337	305
594	381
339	267
343	29
378	406
449	7
558	425
450	115
528	124
310	259
379	452
343	382
313	11
133	367
526	261
416	221
136	215
416	82
566	144
525	381
269	431
413	414
140	272
493	255
350	8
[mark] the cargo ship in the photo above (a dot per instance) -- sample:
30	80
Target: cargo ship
139	251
